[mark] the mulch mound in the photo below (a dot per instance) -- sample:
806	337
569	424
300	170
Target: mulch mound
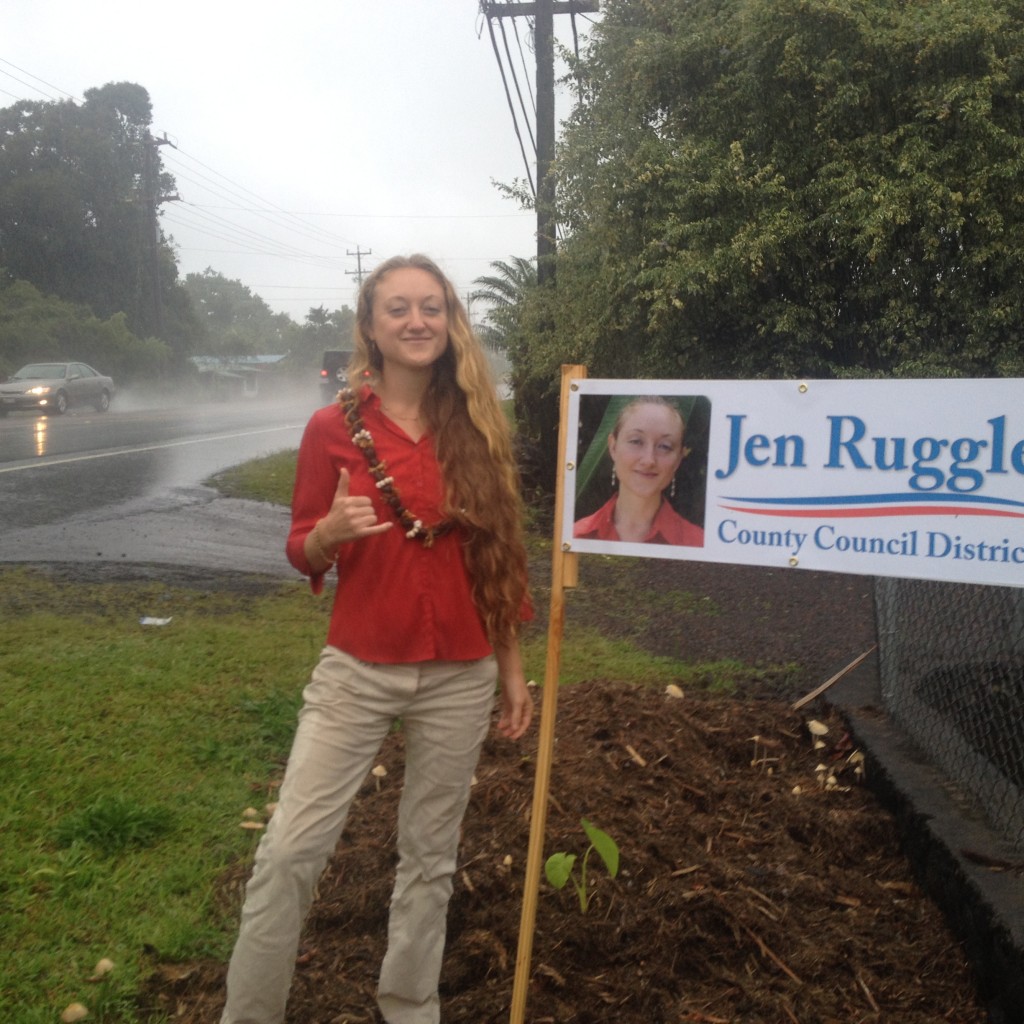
754	885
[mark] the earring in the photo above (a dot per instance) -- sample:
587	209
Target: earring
614	478
672	490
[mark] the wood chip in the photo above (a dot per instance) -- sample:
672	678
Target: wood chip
766	951
635	756
550	972
818	691
867	993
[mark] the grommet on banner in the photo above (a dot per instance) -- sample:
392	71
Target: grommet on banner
794	561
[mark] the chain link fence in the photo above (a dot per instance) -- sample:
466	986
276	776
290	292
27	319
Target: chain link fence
951	662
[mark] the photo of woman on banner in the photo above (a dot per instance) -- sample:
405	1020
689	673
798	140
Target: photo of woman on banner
645	445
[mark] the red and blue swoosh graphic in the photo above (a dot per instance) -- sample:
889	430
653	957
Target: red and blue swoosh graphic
862	506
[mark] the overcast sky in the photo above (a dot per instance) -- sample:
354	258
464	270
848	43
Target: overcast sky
305	131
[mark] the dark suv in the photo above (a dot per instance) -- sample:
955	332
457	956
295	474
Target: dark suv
332	373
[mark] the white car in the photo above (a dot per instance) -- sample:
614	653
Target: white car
55	387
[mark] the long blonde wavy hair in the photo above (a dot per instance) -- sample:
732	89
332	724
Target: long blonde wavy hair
474	448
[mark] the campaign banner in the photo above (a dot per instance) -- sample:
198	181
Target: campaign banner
922	479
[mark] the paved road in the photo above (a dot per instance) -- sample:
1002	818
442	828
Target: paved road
127	486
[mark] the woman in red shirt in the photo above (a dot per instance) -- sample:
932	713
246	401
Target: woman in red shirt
407	485
646	449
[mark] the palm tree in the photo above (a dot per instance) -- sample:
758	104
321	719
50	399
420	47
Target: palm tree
504	292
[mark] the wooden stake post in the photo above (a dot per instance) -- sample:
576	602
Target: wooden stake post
564	570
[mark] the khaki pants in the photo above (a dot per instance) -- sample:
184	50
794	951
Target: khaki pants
349	707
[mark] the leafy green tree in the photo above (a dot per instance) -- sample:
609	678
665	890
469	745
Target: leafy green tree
323	329
328	329
38	327
80	186
234	321
791	189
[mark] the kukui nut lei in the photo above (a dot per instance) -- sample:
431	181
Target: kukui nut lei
363	440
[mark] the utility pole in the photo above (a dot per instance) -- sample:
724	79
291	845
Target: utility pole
543	12
547	217
152	200
358	272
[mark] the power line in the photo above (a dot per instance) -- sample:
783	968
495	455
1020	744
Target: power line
226	231
267	209
511	107
36	78
522	60
543	27
218	223
515	82
379	216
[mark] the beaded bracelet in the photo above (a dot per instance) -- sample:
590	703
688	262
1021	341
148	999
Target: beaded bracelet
320	548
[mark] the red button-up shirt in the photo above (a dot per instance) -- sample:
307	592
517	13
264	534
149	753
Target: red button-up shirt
396	601
668	527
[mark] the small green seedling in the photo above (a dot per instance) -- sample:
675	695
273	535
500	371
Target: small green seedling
559	866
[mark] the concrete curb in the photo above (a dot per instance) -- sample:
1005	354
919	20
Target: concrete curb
945	838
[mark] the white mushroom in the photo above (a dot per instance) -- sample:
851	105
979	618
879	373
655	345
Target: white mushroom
73	1012
378	773
103	967
857	760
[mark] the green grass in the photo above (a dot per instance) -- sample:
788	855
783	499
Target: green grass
267	479
129	753
113	824
588	654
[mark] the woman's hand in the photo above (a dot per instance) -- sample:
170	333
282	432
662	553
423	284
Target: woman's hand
516	701
350	517
516	708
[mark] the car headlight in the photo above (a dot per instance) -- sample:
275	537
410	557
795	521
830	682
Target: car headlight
40	389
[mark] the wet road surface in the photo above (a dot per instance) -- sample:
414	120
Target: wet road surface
126	486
